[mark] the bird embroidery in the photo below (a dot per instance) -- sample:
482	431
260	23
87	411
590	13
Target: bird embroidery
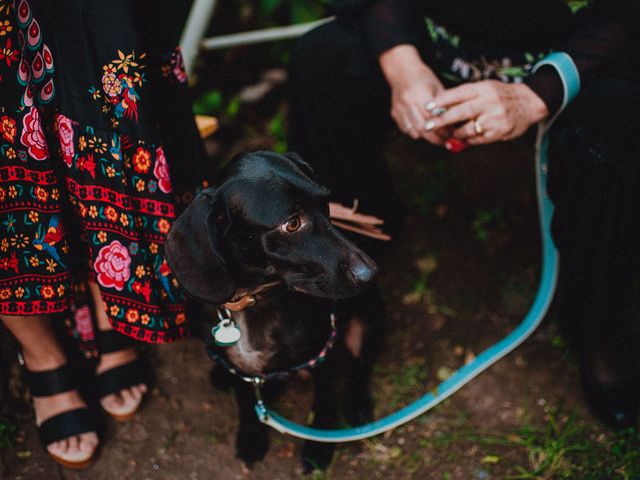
163	275
127	106
55	233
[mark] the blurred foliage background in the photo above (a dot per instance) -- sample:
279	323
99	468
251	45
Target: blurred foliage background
245	86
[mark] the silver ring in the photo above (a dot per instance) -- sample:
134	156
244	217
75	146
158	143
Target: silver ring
407	127
477	126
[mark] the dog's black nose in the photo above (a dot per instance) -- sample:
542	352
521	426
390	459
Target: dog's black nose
362	268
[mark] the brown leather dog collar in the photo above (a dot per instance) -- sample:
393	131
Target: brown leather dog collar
243	298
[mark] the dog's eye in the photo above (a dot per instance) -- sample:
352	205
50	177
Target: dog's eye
292	225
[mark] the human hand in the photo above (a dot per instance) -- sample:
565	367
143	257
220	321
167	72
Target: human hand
488	111
413	85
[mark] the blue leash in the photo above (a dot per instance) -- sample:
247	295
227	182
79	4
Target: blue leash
571	81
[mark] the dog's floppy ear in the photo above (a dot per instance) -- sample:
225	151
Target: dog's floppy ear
193	253
302	165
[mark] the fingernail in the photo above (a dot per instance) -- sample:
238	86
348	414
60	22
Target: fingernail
429	125
454	145
430	105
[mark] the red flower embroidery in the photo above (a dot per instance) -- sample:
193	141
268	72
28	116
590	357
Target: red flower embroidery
33	137
142	160
110	214
87	164
112	265
163	225
41	194
8	54
161	171
64	129
84	326
8	128
132	315
47	292
143	289
9	263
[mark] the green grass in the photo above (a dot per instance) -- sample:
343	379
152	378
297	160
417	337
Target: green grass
565	447
7	434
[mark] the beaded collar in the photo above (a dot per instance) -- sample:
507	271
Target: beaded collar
281	375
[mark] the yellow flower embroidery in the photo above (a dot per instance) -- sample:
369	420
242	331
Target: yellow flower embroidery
97	145
51	265
5	27
125	61
20	240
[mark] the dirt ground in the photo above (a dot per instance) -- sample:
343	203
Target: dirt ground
461	277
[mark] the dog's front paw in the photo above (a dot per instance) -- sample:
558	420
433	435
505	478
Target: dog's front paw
252	446
316	456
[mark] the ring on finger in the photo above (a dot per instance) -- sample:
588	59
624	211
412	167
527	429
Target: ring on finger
408	126
477	126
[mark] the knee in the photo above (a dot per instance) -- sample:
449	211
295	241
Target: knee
602	124
324	49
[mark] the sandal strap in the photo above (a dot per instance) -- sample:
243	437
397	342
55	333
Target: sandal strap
124	376
109	341
67	424
51	382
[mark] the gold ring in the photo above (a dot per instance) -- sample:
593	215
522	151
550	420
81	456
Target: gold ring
478	127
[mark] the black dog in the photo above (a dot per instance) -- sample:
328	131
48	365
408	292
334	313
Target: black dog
262	239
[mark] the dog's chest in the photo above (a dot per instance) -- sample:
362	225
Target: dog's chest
244	354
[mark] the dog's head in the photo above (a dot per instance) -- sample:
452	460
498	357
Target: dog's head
266	220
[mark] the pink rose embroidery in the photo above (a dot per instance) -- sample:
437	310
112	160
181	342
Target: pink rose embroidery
178	68
161	171
64	128
84	326
33	137
112	265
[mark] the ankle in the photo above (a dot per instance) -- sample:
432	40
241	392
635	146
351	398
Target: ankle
39	361
115	359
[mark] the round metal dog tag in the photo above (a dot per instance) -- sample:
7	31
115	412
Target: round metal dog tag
226	333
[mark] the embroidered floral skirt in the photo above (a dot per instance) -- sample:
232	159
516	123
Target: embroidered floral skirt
98	152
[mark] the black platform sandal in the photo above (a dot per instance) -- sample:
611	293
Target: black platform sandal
118	378
67	424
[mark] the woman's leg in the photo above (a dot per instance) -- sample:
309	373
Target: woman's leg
42	351
339	117
594	180
127	396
